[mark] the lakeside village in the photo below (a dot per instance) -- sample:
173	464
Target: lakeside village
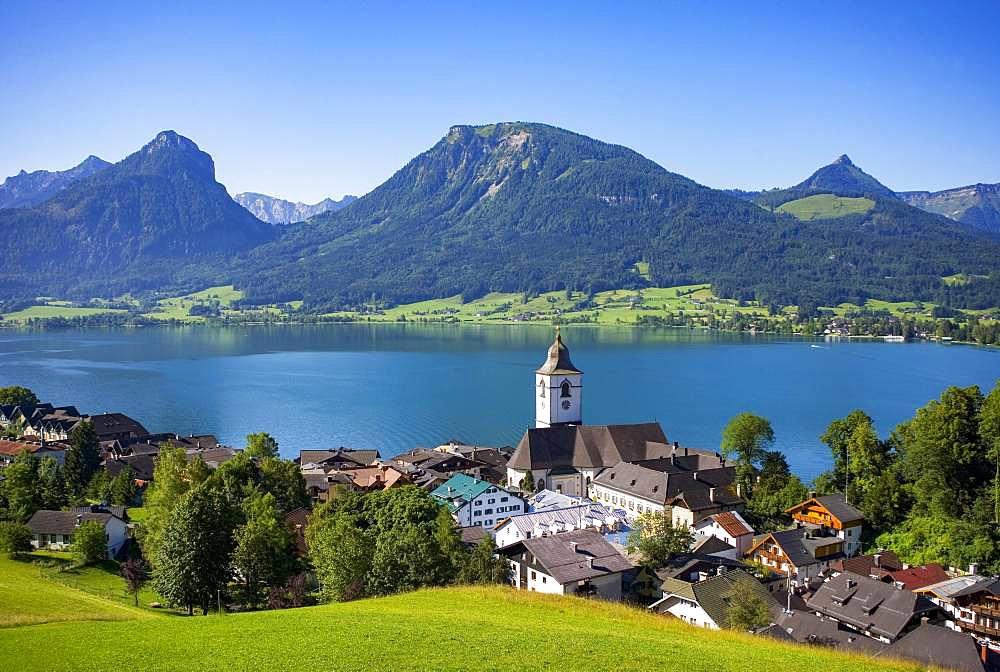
717	539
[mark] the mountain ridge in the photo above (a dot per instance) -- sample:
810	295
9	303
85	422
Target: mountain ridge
28	189
274	210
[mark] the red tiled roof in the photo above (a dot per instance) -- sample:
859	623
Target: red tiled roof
13	448
733	526
915	578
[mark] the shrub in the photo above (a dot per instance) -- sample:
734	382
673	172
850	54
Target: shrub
90	545
15	538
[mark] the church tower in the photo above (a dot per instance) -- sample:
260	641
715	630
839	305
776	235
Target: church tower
558	389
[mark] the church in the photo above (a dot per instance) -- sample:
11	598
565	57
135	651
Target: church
562	454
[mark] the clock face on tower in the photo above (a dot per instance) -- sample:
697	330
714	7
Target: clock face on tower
566	404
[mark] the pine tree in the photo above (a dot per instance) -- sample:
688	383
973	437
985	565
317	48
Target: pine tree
83	458
51	484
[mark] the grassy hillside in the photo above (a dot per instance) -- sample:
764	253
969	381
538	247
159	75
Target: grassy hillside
30	594
445	629
826	206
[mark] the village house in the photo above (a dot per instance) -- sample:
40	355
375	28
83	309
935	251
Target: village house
833	513
873	608
10	449
730	527
706	603
580	562
686	487
337	458
475	502
971	604
800	553
54	530
553	521
549	499
888	568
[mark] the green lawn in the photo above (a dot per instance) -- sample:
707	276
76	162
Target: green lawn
826	206
445	629
28	595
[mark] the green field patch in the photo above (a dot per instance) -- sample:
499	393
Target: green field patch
53	311
826	206
443	629
31	593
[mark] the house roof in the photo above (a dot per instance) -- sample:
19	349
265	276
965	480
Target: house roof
807	627
939	647
868	604
879	564
913	578
558	362
683	565
799	548
712	545
107	424
961	586
116	510
695	490
296	521
588	446
459	489
560	520
835	504
13	448
714	594
730	521
573	556
62	522
472	534
358	456
549	499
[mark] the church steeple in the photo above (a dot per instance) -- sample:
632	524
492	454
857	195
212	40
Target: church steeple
558	388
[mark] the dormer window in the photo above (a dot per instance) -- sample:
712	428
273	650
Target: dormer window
565	387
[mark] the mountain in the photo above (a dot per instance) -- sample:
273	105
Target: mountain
279	211
27	189
529	207
977	205
141	223
841	178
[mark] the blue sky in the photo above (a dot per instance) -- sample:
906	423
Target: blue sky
308	100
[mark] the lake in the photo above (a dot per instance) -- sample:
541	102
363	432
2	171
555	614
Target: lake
394	387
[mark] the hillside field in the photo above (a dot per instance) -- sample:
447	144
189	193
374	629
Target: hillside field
825	206
54	627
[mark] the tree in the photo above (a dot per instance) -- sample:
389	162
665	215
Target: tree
51	484
527	483
99	488
484	565
15	538
261	444
193	560
90	543
122	489
136	574
341	554
407	559
655	537
170	483
746	438
263	555
235	478
20	484
17	396
747	609
83	457
284	480
989	430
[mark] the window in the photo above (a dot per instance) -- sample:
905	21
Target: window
533	576
477	513
489	511
503	499
489	522
565	393
544	579
541	483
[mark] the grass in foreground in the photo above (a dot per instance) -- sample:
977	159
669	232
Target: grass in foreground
28	596
445	629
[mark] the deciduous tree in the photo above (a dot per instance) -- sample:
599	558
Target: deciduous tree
90	543
746	438
655	537
261	444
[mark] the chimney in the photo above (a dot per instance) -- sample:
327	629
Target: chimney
973	568
711	495
573	545
673	449
685	451
984	651
79	520
924	620
590	563
739	490
694	475
812	494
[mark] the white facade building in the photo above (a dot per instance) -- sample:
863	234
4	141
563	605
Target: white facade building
554	521
559	385
475	502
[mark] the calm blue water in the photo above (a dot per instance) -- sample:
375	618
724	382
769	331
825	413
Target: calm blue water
393	387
